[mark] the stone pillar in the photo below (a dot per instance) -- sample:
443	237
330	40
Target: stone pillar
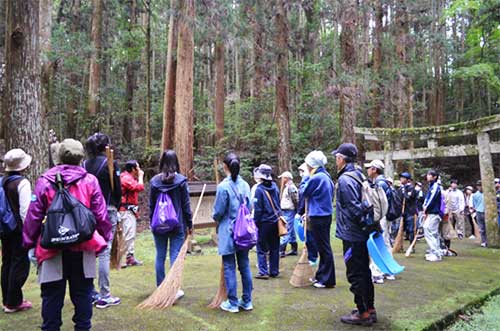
487	179
389	165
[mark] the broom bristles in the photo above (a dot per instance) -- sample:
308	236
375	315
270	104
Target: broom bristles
221	292
398	242
165	295
117	248
302	272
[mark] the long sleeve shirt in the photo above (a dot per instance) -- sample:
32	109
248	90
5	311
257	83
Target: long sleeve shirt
478	201
456	201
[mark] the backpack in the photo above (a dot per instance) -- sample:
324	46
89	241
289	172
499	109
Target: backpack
164	216
395	205
8	221
244	230
374	201
68	220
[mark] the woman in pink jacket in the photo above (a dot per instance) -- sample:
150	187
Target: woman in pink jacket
77	264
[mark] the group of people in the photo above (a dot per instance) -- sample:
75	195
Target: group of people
113	200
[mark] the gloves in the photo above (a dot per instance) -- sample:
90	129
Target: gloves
373	227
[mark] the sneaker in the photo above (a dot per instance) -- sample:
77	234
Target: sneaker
378	279
262	276
390	277
460	236
357	319
449	253
227	306
433	258
133	262
26	305
291	253
321	285
472	237
313	263
95	297
179	294
484	245
245	306
371	311
313	280
107	302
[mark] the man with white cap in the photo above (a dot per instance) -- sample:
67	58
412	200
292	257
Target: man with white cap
318	195
289	203
15	262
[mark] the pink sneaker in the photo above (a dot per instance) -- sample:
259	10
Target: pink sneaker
26	305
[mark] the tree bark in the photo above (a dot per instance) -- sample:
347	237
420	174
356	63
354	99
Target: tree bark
148	73
282	111
47	66
168	132
23	91
74	78
129	120
95	58
219	90
184	113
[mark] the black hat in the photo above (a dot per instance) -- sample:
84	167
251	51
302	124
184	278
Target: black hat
405	175
433	173
347	149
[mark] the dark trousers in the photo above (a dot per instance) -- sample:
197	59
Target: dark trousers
320	227
409	226
268	242
357	262
15	269
312	248
80	292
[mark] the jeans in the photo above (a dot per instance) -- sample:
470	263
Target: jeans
268	241
15	269
409	226
320	227
431	233
312	248
290	237
80	292
358	274
161	242
129	222
241	256
481	222
104	256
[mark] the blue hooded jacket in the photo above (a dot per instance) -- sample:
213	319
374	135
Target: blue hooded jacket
178	191
263	210
319	192
349	207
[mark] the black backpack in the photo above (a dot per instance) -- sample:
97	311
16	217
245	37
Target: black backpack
395	205
68	220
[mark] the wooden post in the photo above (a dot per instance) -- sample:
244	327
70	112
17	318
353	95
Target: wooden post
389	165
487	179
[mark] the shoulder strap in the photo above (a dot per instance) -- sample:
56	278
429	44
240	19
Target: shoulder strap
101	166
271	201
353	176
238	195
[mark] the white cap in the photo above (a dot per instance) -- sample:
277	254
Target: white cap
286	174
316	159
375	164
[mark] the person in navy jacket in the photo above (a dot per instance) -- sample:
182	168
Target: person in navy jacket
318	194
266	213
349	212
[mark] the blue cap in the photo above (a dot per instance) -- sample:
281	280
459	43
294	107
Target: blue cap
347	149
405	175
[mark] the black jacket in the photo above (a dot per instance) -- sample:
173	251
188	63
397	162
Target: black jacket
99	168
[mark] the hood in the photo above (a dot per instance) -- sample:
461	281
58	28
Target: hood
158	182
69	173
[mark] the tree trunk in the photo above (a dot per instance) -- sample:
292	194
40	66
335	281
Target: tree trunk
47	66
129	120
349	93
376	118
74	78
168	132
282	111
148	73
95	57
219	90
23	91
184	113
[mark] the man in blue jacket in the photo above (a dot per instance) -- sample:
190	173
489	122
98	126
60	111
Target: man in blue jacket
432	210
349	230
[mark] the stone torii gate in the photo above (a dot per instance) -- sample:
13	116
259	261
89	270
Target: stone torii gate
481	128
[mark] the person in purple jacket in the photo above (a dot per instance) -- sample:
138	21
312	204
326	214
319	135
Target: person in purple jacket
76	264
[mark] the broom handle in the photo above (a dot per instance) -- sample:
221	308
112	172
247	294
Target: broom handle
109	156
199	203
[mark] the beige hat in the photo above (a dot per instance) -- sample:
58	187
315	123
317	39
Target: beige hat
71	151
16	160
286	174
375	164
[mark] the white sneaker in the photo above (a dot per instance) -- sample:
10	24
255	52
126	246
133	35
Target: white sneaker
179	295
433	258
472	237
484	245
390	277
378	279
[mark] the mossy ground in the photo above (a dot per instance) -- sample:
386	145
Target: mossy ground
422	294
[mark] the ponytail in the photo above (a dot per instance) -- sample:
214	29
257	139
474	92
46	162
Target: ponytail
232	162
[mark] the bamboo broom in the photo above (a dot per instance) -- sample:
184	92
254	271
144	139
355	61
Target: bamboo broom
165	295
303	271
414	242
398	242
